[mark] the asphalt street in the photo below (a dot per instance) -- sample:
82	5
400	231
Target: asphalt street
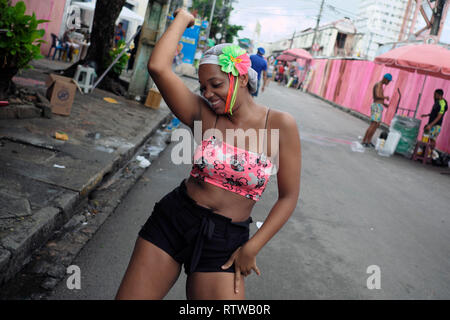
357	212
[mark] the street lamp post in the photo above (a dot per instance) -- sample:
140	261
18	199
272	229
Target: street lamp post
210	20
317	25
370	44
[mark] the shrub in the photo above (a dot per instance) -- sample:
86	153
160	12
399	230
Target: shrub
123	60
19	40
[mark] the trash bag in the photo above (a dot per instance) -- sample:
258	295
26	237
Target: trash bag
357	147
442	161
409	129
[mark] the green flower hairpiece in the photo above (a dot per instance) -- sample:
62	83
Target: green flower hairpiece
234	60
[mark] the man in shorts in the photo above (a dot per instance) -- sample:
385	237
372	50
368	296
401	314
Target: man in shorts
376	110
433	127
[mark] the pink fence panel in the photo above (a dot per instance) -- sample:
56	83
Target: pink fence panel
332	79
367	70
341	83
350	78
358	96
318	67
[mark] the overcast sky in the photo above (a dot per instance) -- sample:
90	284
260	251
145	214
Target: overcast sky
279	18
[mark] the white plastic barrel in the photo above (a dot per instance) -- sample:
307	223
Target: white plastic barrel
391	144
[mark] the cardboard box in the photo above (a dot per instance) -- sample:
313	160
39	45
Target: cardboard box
61	92
153	99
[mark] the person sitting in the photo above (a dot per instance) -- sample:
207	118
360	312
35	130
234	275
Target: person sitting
69	42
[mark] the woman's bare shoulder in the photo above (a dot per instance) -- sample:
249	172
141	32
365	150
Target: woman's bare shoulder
281	120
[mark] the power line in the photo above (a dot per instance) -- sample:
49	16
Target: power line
277	7
294	8
271	13
336	15
271	9
289	8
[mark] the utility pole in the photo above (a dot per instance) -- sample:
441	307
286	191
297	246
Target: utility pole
434	22
370	44
405	21
292	39
140	81
210	20
317	23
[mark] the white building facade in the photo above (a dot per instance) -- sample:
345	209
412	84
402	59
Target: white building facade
139	7
380	22
336	39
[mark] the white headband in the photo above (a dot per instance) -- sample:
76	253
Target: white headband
211	56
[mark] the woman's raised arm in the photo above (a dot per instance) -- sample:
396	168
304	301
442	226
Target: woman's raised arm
184	104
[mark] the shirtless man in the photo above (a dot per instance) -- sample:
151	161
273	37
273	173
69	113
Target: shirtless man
376	110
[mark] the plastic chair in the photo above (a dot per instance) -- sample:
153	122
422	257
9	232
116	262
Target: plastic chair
56	43
85	76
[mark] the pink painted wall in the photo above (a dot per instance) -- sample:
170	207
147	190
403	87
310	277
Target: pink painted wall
52	10
349	83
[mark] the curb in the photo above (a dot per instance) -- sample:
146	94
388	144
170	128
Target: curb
48	264
17	248
20	248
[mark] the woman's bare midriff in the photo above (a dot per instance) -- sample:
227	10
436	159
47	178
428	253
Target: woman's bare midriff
221	201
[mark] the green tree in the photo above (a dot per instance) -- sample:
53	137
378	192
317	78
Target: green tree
20	42
101	50
221	17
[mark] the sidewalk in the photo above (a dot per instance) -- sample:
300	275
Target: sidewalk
43	180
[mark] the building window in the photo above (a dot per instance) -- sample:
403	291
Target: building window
340	40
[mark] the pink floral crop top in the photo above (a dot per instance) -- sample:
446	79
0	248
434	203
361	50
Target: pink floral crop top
243	172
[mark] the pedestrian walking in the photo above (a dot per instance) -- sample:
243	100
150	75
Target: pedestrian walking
259	64
270	72
433	127
119	34
376	110
204	222
292	73
280	72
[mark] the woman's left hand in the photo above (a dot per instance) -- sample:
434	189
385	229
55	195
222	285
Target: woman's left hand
244	262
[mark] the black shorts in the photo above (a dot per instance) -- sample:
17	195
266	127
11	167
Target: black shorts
194	235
